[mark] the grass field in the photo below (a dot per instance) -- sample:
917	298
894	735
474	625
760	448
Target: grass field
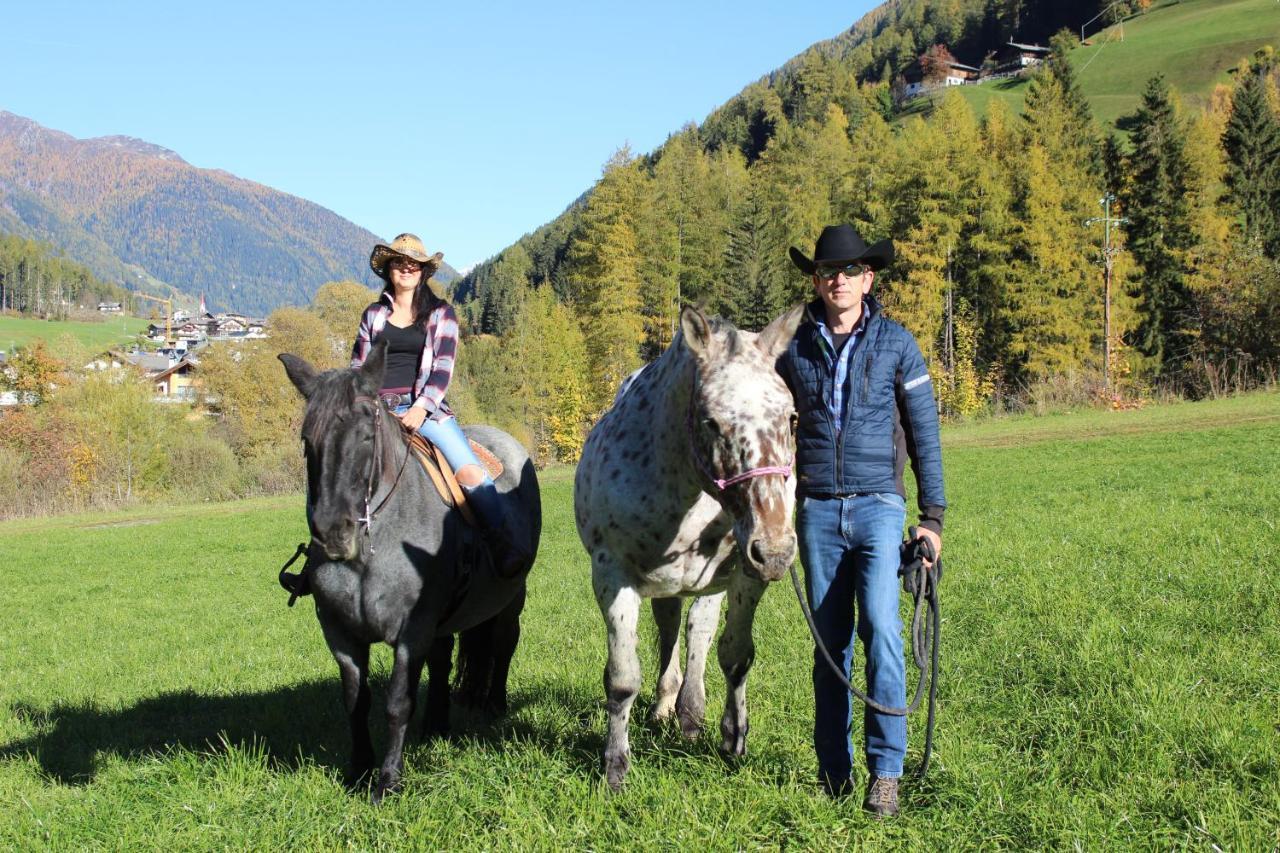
1191	42
20	331
1111	679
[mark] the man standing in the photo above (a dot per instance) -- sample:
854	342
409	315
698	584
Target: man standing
865	404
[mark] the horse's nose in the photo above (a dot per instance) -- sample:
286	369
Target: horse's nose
770	558
336	538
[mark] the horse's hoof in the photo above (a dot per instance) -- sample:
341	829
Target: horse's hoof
691	726
357	780
382	790
734	743
615	771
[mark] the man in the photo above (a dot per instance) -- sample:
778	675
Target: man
865	404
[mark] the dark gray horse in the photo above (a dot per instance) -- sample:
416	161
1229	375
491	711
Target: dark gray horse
391	563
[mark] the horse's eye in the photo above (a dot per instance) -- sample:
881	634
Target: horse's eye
710	423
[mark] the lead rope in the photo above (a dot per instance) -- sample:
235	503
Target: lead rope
925	632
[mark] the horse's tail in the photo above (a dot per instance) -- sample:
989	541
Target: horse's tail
475	665
484	659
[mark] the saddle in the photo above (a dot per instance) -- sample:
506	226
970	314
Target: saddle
442	476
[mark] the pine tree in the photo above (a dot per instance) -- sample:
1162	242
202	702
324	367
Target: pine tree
1159	228
1252	144
505	289
759	281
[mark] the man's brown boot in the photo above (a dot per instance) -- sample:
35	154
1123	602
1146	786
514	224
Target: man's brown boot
882	797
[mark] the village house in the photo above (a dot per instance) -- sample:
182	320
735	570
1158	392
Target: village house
177	383
957	74
110	307
1015	57
936	68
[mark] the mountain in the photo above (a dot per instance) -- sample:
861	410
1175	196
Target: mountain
138	214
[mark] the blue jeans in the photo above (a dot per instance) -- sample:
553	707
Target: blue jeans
849	549
447	436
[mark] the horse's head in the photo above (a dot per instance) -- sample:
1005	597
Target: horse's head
342	418
741	420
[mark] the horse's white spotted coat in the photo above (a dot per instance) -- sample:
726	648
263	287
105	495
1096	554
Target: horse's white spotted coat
656	526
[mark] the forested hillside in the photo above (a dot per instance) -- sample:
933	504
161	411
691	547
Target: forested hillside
139	214
35	280
998	274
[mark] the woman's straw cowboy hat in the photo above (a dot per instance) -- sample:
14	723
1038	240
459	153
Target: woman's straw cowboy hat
842	244
406	245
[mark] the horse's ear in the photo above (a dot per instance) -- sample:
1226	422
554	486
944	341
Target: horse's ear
301	373
774	338
375	366
697	331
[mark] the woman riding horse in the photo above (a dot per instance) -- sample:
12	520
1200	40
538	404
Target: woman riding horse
421	330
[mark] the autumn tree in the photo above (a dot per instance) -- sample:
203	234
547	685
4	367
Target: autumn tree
605	269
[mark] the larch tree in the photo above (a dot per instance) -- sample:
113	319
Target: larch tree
605	264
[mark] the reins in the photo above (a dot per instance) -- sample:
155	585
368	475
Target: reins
366	521
922	584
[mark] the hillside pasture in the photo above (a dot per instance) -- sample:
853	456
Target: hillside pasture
1193	43
1111	642
94	337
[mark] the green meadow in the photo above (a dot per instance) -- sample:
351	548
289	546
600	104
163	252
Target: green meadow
1193	43
1111	676
113	331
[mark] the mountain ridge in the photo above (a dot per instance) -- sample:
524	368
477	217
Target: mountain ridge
139	214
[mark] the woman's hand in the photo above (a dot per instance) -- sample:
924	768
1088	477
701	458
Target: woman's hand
413	417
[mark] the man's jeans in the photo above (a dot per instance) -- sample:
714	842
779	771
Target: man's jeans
849	549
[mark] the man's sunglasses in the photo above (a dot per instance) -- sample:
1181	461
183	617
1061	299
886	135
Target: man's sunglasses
850	271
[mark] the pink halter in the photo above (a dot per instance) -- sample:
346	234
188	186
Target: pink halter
722	484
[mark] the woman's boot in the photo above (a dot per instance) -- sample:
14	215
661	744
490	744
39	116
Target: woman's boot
510	555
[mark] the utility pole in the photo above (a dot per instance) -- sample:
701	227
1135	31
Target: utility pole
1108	259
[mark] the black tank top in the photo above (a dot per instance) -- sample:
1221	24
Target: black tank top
404	354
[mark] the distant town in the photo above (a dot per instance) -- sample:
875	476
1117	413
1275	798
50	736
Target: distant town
179	338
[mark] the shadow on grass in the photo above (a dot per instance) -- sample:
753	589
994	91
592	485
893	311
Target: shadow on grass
305	725
300	725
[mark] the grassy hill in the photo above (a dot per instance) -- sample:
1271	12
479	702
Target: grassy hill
20	331
1192	43
1111	660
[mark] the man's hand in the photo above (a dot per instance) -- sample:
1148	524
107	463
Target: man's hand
934	539
413	417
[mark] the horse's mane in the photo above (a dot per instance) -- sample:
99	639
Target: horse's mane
333	394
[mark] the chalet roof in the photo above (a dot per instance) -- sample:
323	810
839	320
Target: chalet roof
1030	48
172	370
961	65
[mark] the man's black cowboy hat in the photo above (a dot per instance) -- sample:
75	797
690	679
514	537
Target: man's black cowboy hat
842	244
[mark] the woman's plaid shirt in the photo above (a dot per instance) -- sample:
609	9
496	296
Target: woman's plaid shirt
435	369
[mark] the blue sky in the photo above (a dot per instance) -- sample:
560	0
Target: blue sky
469	124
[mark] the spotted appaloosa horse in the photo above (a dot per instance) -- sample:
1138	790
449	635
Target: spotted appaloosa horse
694	457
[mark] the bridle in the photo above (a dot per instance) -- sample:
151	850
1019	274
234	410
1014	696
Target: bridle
723	483
366	520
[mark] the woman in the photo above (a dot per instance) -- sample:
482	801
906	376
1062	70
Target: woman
421	331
